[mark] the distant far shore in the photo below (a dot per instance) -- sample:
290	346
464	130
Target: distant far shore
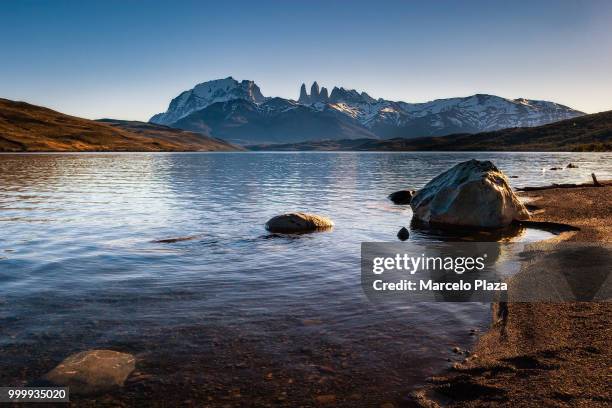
308	147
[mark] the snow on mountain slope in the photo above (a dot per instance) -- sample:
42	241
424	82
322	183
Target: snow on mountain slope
472	114
205	94
490	112
378	117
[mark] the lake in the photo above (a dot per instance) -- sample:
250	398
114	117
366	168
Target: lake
165	256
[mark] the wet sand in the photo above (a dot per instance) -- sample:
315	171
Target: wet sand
541	354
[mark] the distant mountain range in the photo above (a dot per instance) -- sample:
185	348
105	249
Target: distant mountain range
320	120
584	133
238	112
30	128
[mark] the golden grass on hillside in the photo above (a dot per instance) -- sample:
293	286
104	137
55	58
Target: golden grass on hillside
30	128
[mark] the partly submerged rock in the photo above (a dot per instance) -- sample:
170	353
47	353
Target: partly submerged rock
571	166
298	222
471	194
174	240
402	196
92	372
403	234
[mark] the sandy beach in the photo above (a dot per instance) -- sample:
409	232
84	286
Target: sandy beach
541	354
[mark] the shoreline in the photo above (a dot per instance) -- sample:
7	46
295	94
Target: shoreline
540	354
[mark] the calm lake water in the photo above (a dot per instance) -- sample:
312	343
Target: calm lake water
234	314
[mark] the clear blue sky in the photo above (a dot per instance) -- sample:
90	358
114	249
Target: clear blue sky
127	59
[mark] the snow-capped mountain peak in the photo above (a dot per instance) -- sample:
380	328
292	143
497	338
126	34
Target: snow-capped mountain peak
207	93
482	112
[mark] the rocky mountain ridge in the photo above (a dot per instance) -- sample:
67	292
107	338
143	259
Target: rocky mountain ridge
354	114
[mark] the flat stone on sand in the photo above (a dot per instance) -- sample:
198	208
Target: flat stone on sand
298	222
93	371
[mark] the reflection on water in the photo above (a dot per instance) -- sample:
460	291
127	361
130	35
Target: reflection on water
166	256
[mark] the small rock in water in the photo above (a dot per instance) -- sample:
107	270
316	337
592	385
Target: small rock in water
402	196
177	239
571	166
456	350
92	372
403	234
298	222
556	168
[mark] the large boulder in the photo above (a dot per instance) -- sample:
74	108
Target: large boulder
92	372
298	222
471	194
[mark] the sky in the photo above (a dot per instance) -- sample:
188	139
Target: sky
127	59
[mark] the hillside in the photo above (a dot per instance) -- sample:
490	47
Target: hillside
191	140
585	133
30	128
